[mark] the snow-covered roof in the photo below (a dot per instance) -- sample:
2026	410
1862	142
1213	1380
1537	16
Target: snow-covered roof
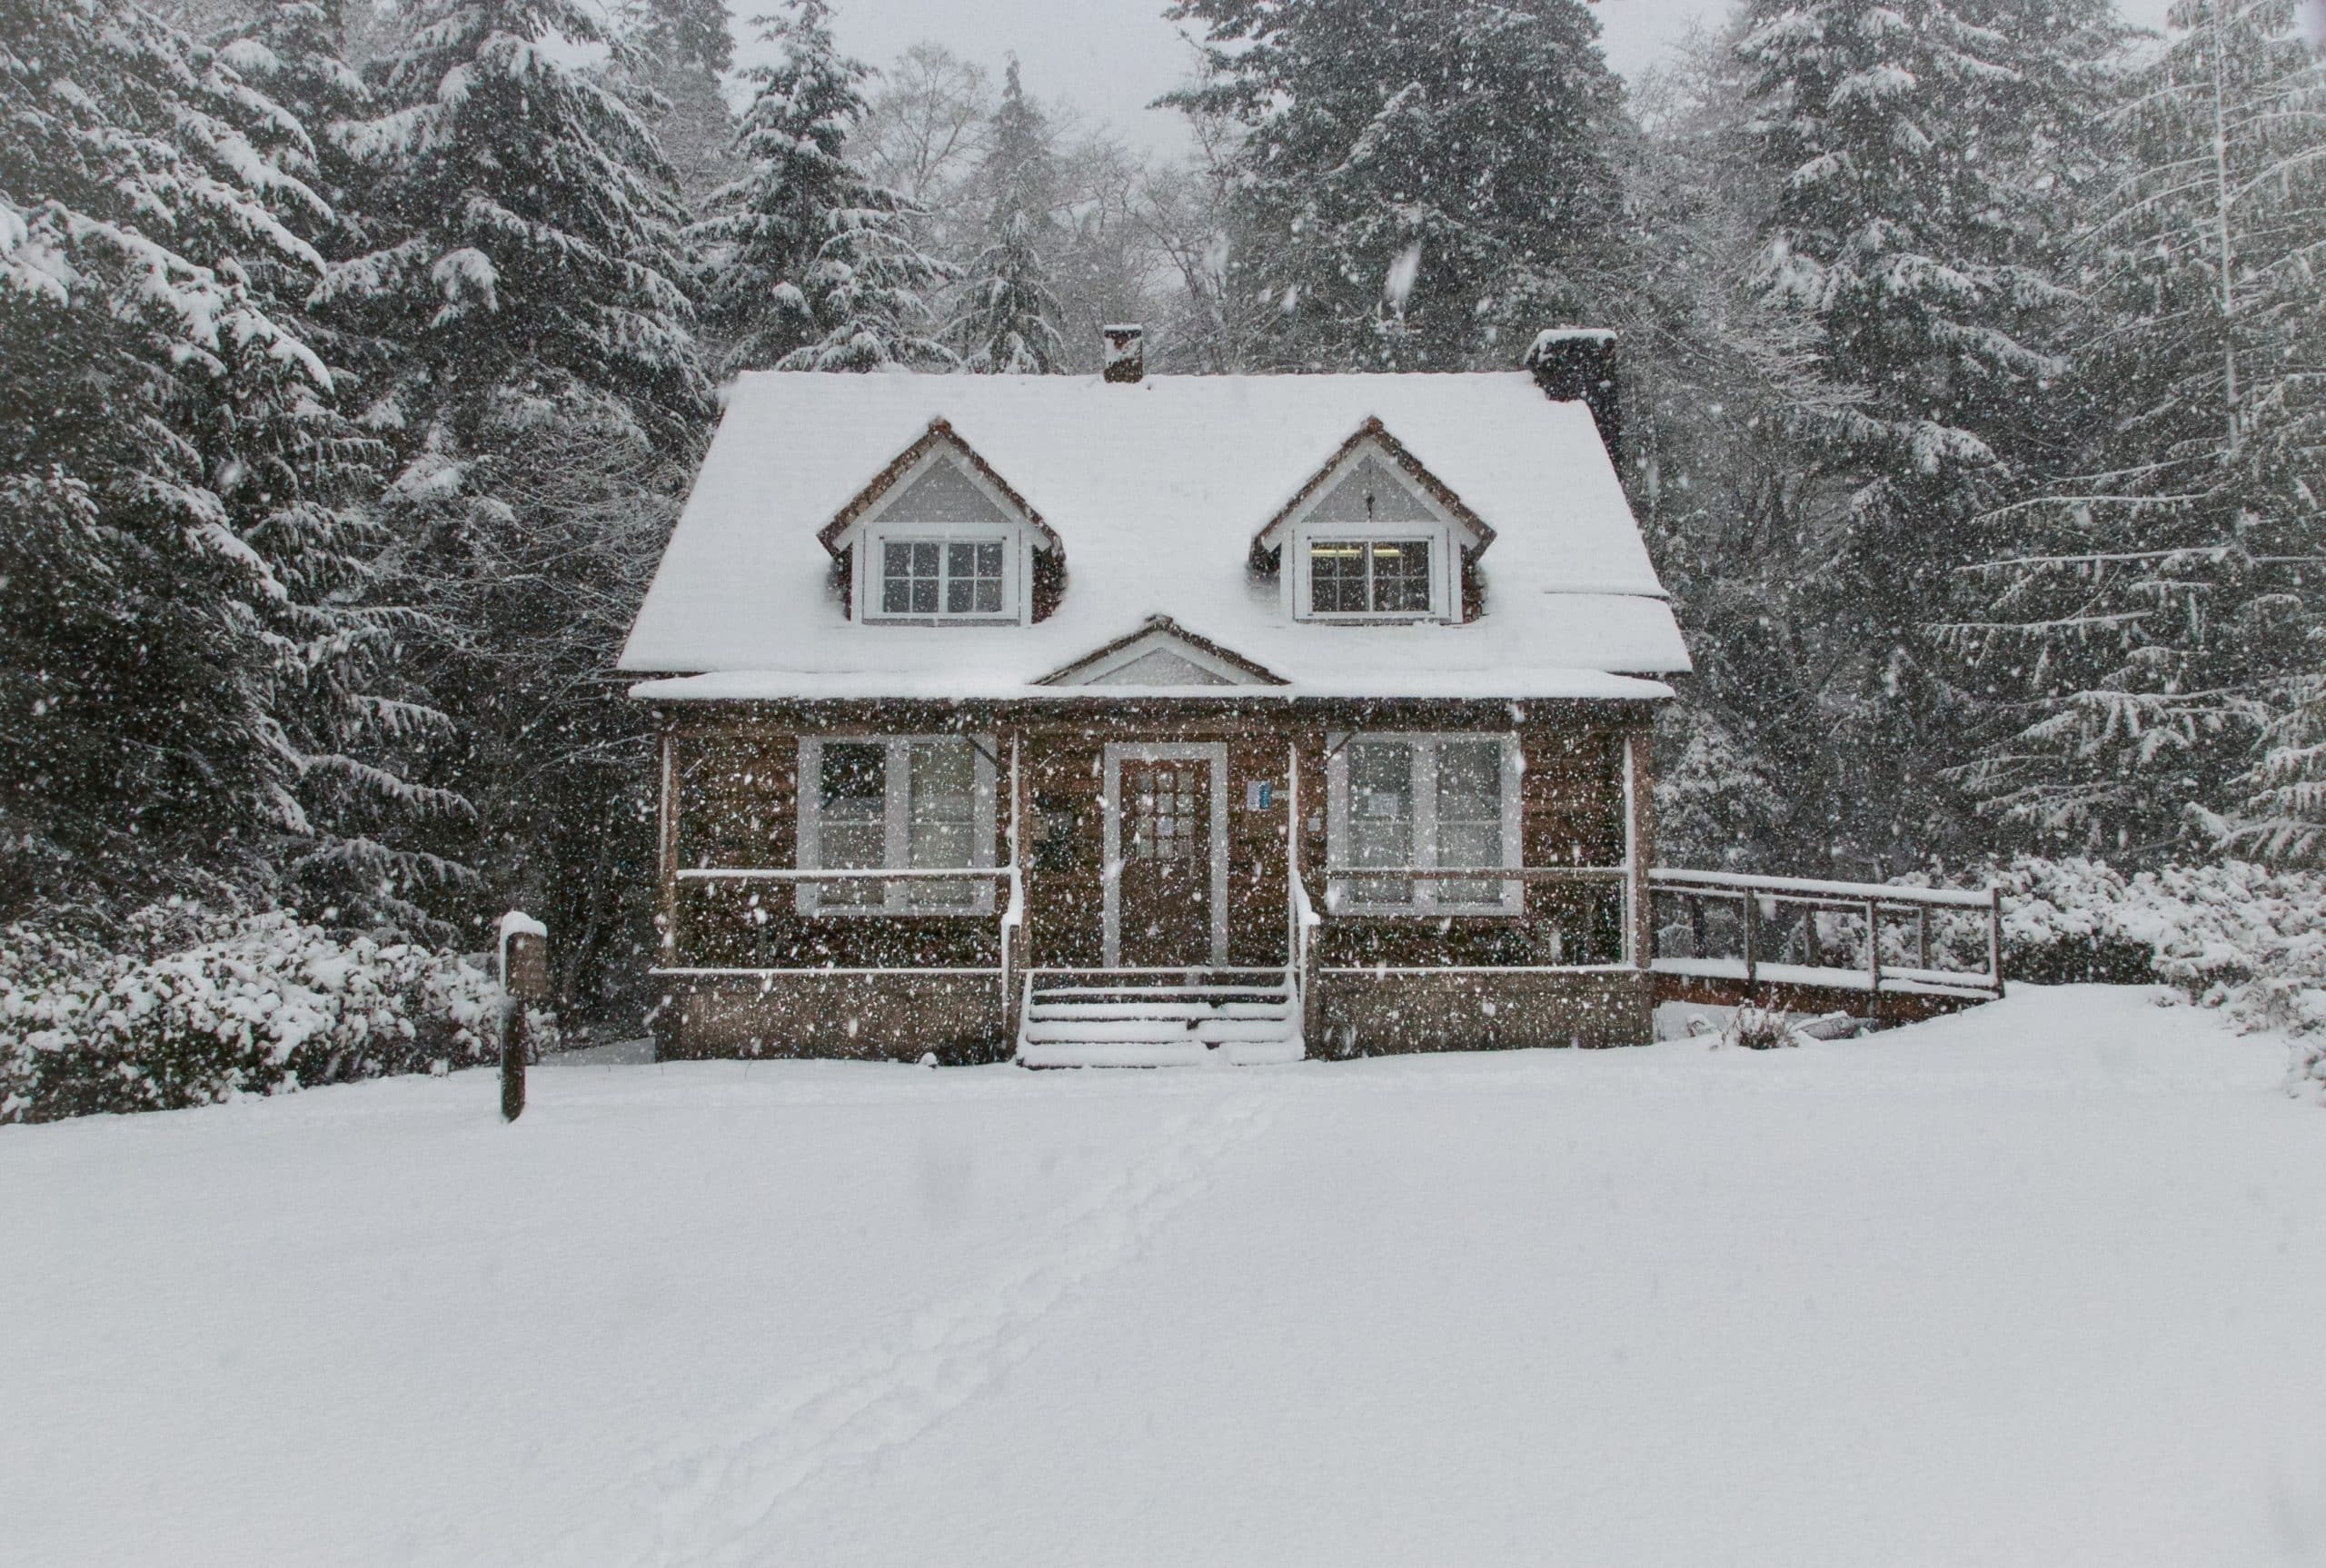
1156	489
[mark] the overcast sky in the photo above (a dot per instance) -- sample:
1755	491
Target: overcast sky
1111	58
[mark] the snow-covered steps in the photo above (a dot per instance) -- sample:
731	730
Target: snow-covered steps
1156	1022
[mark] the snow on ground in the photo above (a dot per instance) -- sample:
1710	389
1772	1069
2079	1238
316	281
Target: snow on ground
2037	1285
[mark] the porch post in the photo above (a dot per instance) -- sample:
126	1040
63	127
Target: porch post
1639	842
1299	953
666	850
1014	950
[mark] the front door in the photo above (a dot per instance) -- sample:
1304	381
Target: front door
1163	914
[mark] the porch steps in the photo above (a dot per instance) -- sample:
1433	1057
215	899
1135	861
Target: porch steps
1151	1022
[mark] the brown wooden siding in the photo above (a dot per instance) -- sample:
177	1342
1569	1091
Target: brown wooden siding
871	1017
1256	914
1066	830
1370	1015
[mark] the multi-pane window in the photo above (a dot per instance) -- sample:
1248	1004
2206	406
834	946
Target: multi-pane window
1414	803
918	803
1369	577
942	578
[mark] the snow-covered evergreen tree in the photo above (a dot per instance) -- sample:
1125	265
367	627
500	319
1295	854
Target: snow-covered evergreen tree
2151	616
1421	185
527	277
1723	404
813	266
2283	813
1006	323
185	681
1917	159
679	50
531	229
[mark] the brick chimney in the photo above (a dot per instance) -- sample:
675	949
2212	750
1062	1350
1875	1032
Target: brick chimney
1125	353
1578	365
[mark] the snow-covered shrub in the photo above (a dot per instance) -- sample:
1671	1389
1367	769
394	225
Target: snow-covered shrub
1758	1029
183	1006
2235	936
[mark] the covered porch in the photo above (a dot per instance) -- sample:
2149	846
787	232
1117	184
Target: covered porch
1165	881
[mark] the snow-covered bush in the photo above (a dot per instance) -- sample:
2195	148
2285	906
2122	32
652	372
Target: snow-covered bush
185	1006
2235	936
1758	1029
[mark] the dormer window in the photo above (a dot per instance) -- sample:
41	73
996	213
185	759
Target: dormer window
1373	537
1370	576
939	540
943	579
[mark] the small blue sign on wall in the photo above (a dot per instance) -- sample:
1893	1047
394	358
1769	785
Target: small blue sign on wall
1259	795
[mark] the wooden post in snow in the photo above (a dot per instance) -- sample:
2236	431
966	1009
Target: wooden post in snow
1994	937
524	977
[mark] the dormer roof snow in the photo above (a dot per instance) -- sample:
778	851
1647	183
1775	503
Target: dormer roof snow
939	435
1373	436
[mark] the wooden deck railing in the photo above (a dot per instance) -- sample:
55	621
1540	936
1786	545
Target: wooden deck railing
1923	929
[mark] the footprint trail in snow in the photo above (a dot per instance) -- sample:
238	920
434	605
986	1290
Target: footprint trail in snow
723	1500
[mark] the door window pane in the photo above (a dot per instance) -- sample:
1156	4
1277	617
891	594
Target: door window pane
1381	818
942	820
852	807
1165	810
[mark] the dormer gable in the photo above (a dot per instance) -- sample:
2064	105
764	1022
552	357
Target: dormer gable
1162	653
1373	536
939	538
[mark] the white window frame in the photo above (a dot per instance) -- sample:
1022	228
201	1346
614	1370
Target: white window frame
878	528
897	897
1442	551
1427	902
1014	576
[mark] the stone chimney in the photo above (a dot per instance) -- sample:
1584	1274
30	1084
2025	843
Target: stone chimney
1125	353
1578	365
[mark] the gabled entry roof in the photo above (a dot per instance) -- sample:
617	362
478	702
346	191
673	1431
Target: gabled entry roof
1161	653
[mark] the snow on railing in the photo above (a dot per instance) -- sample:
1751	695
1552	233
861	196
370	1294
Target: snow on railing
1338	877
1847	892
1826	912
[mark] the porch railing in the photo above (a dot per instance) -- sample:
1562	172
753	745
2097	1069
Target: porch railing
1892	938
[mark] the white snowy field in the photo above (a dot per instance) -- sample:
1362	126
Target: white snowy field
2041	1284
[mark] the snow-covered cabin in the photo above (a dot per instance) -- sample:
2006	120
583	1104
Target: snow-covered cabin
1147	719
